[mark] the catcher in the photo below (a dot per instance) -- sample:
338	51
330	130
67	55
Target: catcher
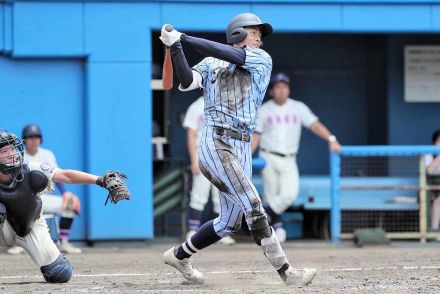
21	221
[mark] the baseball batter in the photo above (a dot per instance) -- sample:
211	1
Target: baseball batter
68	205
234	78
202	188
21	220
278	133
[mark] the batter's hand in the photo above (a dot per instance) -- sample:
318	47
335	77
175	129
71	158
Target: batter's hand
195	168
71	202
335	147
169	38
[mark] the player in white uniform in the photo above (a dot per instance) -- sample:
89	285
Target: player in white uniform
202	188
432	164
278	134
21	220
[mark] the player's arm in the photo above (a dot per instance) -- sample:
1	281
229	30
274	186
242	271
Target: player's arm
432	167
191	79
256	138
321	131
214	49
192	150
54	163
112	181
70	176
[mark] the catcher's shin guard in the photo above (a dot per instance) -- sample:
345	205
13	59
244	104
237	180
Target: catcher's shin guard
59	271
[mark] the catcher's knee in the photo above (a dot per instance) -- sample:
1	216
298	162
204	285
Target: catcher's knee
59	271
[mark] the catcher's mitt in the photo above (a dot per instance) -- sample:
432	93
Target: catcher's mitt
117	190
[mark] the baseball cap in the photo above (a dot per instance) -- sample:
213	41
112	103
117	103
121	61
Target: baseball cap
279	77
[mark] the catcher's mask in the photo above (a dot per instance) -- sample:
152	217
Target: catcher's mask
11	155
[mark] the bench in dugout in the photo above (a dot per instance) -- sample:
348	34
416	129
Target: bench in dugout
381	187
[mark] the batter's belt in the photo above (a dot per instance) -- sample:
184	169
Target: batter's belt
233	134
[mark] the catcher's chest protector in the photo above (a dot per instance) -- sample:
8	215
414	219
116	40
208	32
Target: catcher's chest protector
23	205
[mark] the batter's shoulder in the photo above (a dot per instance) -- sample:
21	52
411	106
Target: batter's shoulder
258	52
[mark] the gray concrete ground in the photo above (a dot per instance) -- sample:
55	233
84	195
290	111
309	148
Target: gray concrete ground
138	268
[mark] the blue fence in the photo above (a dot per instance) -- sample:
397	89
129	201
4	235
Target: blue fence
362	151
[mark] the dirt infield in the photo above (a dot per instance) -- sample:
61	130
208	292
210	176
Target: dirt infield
401	268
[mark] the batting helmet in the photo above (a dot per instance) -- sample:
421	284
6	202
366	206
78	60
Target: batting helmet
32	130
11	164
235	32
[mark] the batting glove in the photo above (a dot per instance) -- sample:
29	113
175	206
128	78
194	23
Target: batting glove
169	38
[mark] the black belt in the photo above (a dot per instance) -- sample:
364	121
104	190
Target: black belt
277	153
233	134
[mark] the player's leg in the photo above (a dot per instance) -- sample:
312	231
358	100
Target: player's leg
230	170
271	185
54	205
199	197
210	232
53	265
287	178
206	235
435	213
259	227
6	238
227	240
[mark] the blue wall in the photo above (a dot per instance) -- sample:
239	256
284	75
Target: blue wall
85	67
49	93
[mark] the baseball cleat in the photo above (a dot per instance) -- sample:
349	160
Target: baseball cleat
15	250
228	241
299	277
184	267
68	248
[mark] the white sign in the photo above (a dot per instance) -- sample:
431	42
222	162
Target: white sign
422	73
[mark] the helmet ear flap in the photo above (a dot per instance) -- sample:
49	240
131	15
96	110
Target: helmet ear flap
237	35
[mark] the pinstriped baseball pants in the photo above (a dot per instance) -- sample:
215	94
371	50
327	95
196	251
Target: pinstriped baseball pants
227	163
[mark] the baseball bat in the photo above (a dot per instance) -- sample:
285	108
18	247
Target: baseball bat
167	70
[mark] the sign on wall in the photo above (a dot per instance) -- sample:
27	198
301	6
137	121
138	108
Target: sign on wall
422	74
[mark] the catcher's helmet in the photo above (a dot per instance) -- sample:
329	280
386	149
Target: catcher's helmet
32	130
11	163
235	32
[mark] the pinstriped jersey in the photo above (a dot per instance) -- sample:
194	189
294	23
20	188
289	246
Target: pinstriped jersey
234	93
